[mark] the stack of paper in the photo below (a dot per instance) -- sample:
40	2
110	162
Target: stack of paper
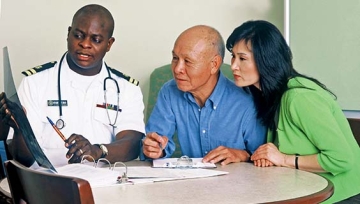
167	174
100	177
173	163
97	177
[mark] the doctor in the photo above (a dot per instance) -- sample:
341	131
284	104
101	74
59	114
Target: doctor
97	108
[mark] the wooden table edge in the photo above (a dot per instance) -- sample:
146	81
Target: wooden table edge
317	197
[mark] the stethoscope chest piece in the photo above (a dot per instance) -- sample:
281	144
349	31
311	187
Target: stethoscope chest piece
60	123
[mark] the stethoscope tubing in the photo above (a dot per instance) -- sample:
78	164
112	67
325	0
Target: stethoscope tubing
60	122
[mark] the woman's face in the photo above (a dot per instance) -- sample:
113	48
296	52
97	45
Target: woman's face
243	65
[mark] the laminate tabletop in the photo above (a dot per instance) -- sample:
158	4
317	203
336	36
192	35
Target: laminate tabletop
245	183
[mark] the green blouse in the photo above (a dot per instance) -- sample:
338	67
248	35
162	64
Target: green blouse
312	122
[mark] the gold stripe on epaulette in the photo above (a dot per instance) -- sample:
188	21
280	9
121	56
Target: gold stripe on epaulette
28	73
38	68
124	76
134	81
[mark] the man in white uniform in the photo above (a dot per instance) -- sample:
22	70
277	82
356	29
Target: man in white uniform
101	108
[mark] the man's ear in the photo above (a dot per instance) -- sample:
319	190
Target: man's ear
216	63
111	41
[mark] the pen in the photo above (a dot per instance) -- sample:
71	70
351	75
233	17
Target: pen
56	129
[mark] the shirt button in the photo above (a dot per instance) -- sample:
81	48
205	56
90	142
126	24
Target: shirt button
214	107
206	152
204	131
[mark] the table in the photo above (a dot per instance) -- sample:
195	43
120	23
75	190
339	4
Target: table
245	183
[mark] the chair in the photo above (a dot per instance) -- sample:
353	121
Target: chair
4	198
355	127
2	168
163	74
39	187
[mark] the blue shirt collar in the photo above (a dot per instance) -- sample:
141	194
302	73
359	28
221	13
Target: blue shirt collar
215	96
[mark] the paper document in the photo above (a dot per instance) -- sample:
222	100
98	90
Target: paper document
101	177
140	174
173	163
167	174
97	177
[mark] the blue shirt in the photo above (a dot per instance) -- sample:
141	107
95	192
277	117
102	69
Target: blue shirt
228	118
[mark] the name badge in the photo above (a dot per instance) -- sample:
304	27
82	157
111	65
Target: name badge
56	103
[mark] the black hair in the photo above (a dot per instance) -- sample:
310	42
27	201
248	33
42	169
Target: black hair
273	59
95	9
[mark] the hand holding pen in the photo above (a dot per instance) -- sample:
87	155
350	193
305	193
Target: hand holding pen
154	144
78	146
75	152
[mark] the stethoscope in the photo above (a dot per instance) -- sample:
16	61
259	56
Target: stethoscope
60	122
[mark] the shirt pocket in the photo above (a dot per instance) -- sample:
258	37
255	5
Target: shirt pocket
106	116
53	112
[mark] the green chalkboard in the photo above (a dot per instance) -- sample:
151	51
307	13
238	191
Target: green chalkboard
325	41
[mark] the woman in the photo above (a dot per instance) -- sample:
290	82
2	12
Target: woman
307	128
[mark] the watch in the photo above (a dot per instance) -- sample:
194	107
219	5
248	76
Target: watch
104	150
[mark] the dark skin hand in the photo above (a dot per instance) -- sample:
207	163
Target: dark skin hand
17	147
4	118
125	148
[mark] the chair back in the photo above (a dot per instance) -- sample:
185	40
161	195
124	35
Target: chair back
36	187
158	78
355	127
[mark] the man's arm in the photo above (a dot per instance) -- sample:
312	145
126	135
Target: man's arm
17	146
162	122
4	131
19	151
125	148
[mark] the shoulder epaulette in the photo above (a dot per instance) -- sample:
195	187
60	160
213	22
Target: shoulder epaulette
126	77
39	68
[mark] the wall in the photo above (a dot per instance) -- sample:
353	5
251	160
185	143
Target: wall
325	40
35	31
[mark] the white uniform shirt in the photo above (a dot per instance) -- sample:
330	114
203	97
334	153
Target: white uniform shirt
81	115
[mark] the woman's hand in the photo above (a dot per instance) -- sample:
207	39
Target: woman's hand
268	155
